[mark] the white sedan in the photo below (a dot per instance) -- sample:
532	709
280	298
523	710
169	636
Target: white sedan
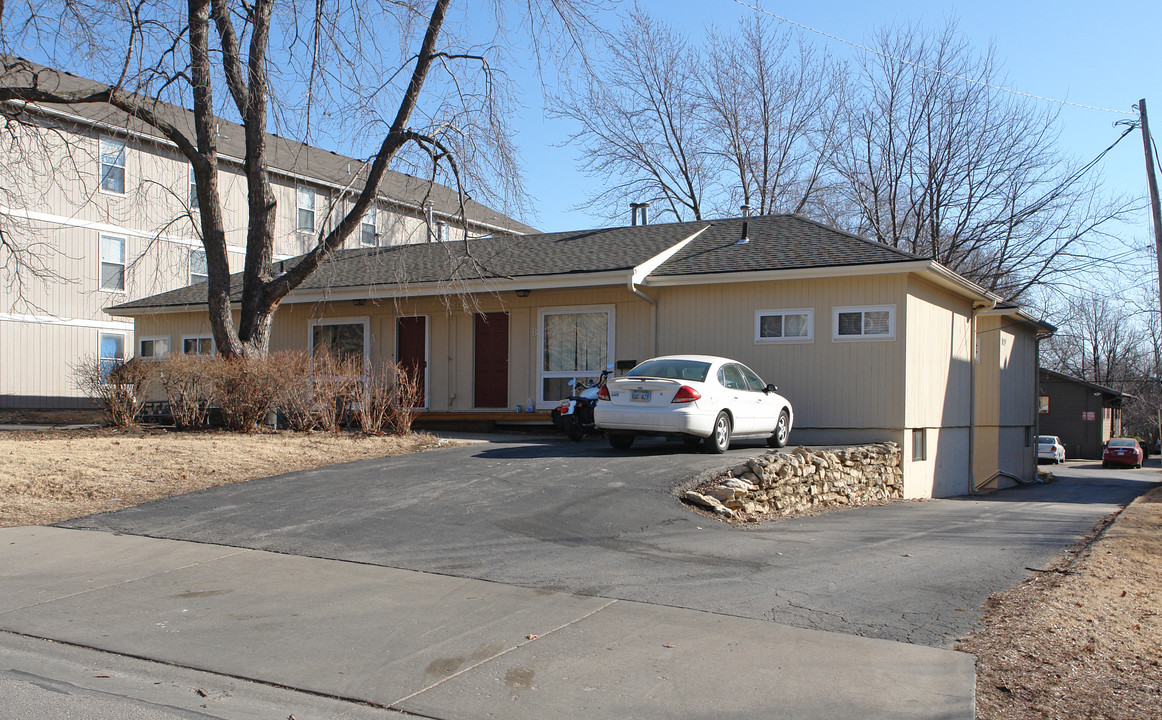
700	398
1049	447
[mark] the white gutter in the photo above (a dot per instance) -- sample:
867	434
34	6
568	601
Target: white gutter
642	271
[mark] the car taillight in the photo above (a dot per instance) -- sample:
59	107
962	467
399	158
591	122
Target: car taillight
603	393
686	394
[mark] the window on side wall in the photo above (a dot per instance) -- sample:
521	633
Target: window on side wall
367	233
784	326
193	189
876	322
112	269
198	271
198	345
575	344
920	444
110	351
153	348
306	209
112	151
341	338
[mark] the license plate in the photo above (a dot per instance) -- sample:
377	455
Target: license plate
639	395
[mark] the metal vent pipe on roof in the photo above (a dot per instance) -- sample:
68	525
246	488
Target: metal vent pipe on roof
745	210
634	208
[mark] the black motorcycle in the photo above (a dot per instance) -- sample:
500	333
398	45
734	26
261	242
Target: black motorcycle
574	415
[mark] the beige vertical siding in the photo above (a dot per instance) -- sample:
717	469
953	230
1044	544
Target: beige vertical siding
830	383
1005	399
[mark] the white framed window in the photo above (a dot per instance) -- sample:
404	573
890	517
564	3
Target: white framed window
112	270
575	343
110	351
193	199
341	337
920	444
112	152
153	348
198	345
784	326
367	228
873	322
305	202
198	271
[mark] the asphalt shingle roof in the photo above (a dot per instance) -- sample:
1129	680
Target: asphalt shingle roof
781	242
284	155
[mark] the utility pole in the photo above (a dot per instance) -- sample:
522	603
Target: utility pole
1155	210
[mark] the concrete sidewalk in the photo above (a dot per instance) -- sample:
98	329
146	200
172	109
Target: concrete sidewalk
444	647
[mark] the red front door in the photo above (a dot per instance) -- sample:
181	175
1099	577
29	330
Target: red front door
411	350
491	355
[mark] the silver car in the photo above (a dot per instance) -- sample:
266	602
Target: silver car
1050	447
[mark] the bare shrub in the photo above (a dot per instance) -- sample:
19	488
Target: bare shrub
247	389
119	388
298	401
406	393
188	381
375	399
338	385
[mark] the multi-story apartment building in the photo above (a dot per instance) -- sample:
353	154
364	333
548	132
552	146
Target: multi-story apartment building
102	211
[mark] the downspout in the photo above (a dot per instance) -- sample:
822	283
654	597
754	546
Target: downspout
653	313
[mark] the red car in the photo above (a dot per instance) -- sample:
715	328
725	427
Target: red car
1122	451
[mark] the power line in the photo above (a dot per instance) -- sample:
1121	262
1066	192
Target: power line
865	48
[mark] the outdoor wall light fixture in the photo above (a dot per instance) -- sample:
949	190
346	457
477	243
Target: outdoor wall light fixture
522	293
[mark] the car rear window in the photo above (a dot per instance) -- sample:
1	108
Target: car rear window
692	370
1046	439
1121	443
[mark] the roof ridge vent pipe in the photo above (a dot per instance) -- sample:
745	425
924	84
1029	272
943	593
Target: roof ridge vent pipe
745	238
633	208
745	209
645	210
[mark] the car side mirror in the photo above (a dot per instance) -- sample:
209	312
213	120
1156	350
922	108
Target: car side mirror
770	388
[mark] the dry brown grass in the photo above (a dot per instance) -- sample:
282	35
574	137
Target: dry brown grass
1084	638
47	477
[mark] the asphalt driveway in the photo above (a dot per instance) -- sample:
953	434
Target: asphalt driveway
581	518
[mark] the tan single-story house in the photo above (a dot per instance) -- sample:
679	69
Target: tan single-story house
868	342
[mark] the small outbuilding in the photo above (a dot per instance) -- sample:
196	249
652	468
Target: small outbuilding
869	343
1083	414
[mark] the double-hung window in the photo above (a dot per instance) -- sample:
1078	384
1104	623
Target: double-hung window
110	352
576	343
367	234
306	209
112	153
865	323
198	345
112	271
198	271
784	326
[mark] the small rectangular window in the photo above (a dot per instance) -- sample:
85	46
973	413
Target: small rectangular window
920	444
193	189
198	345
110	351
112	263
367	233
789	326
198	272
306	208
865	323
112	153
155	348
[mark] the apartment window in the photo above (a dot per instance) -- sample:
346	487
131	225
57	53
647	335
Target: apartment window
112	153
575	343
342	338
367	228
920	444
110	351
193	189
198	345
112	263
1043	404
198	271
784	326
306	207
155	347
865	323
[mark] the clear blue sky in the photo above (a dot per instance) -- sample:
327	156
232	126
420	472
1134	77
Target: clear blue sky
1104	54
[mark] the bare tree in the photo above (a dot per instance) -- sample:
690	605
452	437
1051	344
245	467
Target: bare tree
401	75
940	162
641	121
772	109
1099	340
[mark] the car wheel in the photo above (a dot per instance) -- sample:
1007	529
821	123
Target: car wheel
778	439
620	441
719	440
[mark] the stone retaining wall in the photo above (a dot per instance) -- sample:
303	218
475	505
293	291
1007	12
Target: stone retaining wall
781	483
